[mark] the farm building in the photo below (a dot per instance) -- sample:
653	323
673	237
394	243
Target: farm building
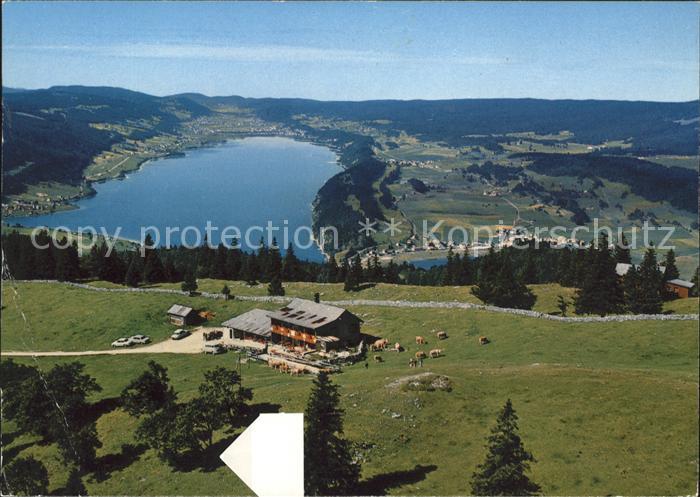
181	315
306	323
681	288
251	325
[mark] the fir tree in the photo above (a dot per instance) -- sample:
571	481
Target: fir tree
190	282
226	291
695	281
504	472
601	290
134	271
233	262
291	269
275	287
249	274
449	275
391	273
354	275
68	264
153	271
562	305
622	250
273	263
329	468
670	270
632	288
220	266
650	285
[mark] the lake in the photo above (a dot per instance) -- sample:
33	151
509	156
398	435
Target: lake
242	184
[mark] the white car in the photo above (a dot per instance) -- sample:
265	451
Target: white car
179	334
140	339
214	348
122	342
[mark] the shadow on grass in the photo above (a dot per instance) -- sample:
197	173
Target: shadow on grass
107	464
382	483
12	452
207	459
101	407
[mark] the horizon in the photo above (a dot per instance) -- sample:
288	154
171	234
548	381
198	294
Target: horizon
359	51
17	89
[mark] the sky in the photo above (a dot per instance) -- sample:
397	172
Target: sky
359	51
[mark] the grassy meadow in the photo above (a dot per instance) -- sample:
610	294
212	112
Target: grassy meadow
606	408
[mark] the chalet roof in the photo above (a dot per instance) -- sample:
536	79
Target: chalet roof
179	310
683	283
308	314
256	321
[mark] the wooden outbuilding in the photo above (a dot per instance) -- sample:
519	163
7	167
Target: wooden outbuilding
681	288
181	315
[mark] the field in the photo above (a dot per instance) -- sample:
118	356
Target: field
605	408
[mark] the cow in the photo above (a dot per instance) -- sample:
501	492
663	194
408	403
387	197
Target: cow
378	358
380	344
420	355
441	335
398	347
483	340
420	341
435	353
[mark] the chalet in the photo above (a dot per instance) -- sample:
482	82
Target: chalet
181	315
681	288
313	325
251	325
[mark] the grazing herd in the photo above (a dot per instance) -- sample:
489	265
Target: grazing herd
383	344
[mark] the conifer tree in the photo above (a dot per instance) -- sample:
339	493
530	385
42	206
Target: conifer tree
273	263
504	472
291	270
670	270
275	287
601	290
329	468
226	291
391	273
632	288
650	285
134	271
622	250
153	271
190	282
68	263
449	274
74	485
220	266
249	273
354	275
233	261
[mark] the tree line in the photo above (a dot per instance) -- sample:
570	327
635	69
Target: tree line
497	278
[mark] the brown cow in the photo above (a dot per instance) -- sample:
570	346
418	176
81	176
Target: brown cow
380	344
420	355
483	340
441	335
420	340
435	353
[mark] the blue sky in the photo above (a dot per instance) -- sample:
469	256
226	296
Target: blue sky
359	51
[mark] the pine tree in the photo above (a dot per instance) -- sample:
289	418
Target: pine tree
329	468
226	291
354	275
273	263
233	262
153	271
291	270
449	274
562	305
249	274
695	281
622	250
190	283
220	266
331	270
671	270
391	273
68	263
134	271
601	290
275	287
504	472
650	285
632	288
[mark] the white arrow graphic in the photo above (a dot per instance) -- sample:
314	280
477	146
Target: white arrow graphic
269	455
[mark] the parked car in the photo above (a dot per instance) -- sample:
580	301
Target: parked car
122	342
214	348
140	339
179	334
